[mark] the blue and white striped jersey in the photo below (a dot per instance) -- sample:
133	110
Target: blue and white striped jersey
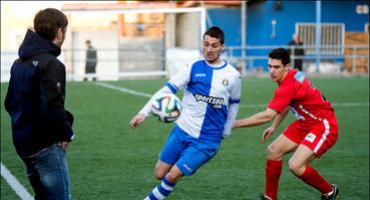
211	99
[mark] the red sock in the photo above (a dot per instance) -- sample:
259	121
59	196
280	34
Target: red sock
314	179
273	172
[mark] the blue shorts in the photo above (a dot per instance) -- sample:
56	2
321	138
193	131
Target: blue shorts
187	152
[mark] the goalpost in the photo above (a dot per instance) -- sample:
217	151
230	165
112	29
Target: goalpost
109	57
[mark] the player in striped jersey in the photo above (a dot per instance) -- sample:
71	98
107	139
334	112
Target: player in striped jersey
210	104
310	136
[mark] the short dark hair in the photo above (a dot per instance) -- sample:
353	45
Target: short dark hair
47	22
215	32
280	54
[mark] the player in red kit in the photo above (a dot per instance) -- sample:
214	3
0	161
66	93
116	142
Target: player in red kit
313	132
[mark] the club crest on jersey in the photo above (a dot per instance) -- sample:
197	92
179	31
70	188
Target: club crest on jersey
225	82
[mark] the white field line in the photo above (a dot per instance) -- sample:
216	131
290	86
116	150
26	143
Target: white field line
14	184
137	93
125	90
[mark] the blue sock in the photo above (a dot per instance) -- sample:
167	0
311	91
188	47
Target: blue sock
161	191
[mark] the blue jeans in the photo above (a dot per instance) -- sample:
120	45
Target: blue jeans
47	172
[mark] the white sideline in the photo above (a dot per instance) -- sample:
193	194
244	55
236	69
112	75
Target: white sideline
137	93
14	184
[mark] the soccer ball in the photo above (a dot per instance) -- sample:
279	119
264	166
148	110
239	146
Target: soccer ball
167	107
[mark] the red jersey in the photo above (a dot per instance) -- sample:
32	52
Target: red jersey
305	101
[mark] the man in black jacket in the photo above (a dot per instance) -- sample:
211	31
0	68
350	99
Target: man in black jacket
42	128
296	51
91	61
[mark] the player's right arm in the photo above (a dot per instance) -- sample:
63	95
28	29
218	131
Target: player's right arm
138	119
176	83
144	112
256	119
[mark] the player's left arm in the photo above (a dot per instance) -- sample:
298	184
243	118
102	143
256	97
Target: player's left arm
233	108
231	116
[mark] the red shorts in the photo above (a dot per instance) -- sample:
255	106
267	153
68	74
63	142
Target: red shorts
319	137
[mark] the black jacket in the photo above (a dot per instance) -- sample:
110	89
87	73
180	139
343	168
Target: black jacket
36	95
298	51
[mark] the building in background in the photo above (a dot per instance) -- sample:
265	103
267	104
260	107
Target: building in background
272	23
151	38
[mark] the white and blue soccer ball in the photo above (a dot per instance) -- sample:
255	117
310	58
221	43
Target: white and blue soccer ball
167	107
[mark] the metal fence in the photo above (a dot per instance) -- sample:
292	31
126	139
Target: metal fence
115	64
354	59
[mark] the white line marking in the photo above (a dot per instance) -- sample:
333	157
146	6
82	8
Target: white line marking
137	93
125	90
14	184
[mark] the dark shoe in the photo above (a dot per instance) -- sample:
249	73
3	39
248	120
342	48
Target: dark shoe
332	195
264	197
